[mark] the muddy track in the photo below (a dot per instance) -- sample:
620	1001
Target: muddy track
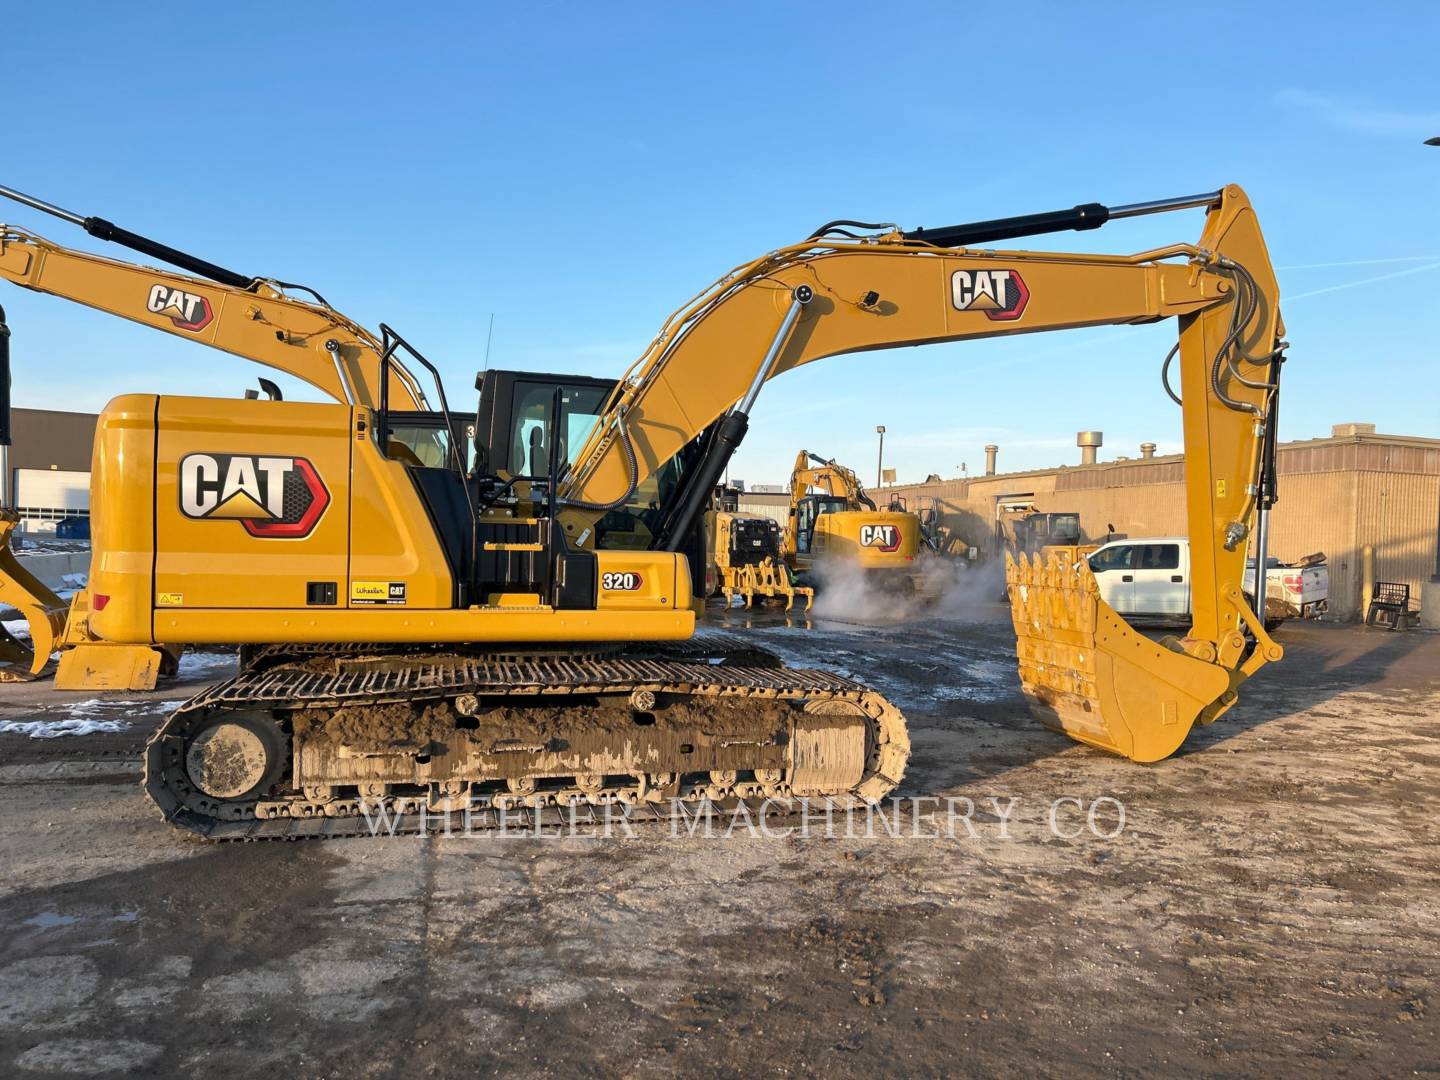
325	743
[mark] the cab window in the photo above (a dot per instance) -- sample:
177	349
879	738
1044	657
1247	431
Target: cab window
580	408
428	447
1159	557
1115	558
810	508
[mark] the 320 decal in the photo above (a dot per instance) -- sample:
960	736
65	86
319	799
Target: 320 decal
272	497
621	581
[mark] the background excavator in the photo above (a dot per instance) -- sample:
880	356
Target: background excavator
839	527
427	613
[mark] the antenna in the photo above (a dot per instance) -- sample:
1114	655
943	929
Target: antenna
489	335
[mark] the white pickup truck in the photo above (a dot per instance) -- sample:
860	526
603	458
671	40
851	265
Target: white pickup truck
1149	578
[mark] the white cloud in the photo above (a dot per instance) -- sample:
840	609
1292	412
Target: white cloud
1353	116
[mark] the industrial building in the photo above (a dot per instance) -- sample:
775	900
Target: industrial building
46	476
1338	495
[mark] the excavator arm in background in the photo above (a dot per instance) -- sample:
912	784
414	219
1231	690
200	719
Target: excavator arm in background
252	318
811	470
1085	671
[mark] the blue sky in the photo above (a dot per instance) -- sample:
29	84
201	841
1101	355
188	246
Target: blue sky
580	170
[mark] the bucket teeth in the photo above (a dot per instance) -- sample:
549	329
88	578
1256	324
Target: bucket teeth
1087	673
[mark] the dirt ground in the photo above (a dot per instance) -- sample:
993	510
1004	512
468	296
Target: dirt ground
1268	907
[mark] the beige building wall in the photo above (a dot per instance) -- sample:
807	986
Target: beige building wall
1337	495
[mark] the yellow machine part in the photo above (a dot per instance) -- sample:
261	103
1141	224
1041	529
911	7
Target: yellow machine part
89	663
213	581
873	539
1089	675
44	612
769	579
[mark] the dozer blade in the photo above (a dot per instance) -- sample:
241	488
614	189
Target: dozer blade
44	612
1088	674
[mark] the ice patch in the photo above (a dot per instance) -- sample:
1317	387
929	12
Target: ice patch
194	665
55	729
90	717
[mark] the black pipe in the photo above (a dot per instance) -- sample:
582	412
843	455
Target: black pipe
729	431
1082	217
1269	492
101	229
552	481
106	230
4	380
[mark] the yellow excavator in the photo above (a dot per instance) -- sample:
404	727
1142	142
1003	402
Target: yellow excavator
840	525
428	616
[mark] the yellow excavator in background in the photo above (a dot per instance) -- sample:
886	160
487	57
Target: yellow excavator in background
429	618
839	526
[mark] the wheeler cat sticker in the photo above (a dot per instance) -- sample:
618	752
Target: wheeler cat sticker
272	497
389	593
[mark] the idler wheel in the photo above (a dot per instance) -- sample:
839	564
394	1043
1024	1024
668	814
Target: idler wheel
235	756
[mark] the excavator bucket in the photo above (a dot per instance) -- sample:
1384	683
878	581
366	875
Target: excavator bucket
1088	674
44	612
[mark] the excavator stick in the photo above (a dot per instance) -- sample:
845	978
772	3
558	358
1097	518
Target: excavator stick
1087	674
44	612
1085	671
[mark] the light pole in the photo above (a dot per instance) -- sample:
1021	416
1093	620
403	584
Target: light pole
880	465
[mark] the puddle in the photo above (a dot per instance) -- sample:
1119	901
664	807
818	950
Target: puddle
48	920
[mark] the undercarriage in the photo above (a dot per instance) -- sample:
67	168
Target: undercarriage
338	736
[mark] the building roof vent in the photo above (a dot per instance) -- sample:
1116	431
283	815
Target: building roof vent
1349	431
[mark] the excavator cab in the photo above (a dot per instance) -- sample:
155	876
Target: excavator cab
808	512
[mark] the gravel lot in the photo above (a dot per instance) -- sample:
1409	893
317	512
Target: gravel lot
1268	906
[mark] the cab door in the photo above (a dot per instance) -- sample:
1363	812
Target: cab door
1159	586
1114	572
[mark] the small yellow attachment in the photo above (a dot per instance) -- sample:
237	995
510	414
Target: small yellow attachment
1088	674
102	665
44	612
87	663
767	580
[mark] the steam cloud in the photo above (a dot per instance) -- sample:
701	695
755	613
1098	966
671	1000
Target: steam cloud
944	588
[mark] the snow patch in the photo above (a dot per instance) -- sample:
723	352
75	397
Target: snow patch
55	729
